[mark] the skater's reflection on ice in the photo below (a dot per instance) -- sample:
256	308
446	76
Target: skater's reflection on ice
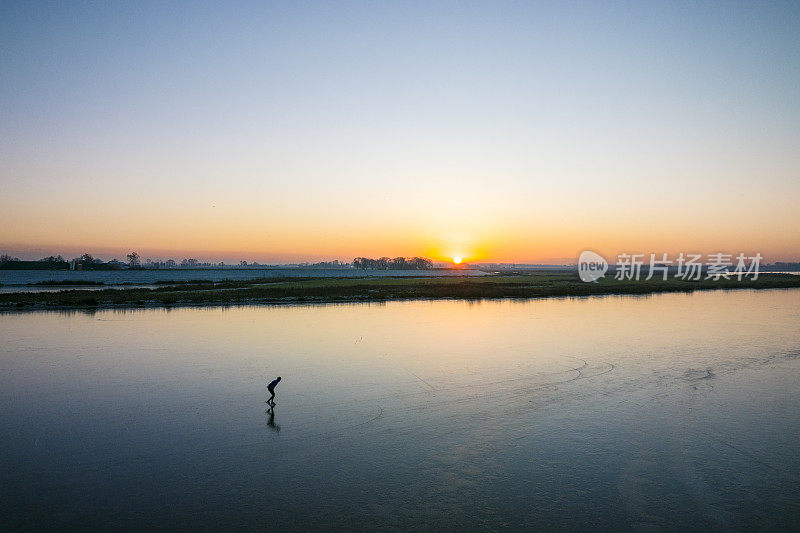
271	420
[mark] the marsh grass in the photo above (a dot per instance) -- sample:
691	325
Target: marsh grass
271	290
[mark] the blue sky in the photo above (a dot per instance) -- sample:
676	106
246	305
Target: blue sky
505	130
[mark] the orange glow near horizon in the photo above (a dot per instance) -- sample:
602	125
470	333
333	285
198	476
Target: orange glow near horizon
284	244
499	227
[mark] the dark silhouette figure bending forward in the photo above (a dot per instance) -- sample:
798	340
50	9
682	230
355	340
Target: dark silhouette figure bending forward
271	389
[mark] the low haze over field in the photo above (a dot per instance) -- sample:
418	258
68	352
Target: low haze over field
518	132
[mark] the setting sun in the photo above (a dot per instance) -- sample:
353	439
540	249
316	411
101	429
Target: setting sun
457	260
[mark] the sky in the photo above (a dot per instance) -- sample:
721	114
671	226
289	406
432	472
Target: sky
496	131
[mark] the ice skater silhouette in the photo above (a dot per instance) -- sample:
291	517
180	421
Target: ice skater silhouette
271	389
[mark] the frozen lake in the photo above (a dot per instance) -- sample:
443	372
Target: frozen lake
668	411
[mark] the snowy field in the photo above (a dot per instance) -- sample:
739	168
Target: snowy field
673	410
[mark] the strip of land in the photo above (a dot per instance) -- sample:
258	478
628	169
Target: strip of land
360	289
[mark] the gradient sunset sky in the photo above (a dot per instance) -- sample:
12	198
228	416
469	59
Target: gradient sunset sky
496	131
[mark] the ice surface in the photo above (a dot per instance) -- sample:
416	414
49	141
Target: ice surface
619	412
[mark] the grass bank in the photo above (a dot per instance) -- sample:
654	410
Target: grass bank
287	290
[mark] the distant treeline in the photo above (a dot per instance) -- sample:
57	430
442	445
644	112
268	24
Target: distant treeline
56	262
781	267
16	264
398	263
88	262
133	261
325	264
